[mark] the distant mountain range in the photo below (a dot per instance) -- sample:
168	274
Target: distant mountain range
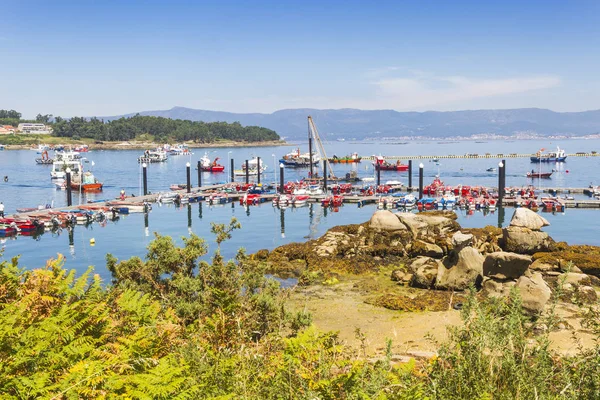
361	124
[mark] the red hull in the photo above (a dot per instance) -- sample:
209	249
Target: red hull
397	168
216	168
87	187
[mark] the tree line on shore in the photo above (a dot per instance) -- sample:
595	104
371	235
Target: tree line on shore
171	326
139	127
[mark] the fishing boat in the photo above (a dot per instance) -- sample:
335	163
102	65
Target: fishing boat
45	159
207	166
153	156
539	175
67	155
436	186
553	156
491	169
295	159
179	149
381	164
353	158
86	182
59	168
252	168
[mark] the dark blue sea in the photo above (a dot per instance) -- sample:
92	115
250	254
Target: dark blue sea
264	226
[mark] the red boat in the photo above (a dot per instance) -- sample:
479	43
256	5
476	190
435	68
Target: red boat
332	201
434	187
207	166
89	183
382	165
22	225
250	199
543	175
7	230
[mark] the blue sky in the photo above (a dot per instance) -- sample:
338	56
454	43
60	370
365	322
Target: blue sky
113	57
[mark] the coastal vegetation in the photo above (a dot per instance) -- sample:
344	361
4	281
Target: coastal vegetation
138	127
174	325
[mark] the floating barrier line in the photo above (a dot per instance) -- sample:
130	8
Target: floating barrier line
511	155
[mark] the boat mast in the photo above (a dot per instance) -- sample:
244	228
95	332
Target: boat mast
320	148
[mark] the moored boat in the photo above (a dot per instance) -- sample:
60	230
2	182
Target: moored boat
554	156
295	159
153	156
381	164
539	175
207	166
353	158
86	183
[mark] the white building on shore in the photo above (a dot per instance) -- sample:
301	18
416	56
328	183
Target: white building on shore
27	127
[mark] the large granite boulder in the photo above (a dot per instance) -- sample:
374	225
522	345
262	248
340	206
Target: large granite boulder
426	225
422	248
525	218
526	241
413	222
534	291
460	269
505	265
424	272
385	220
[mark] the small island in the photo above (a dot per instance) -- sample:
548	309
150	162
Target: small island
127	133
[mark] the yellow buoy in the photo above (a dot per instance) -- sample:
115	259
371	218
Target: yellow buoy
92	241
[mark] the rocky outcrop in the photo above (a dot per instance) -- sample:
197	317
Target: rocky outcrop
504	265
526	241
525	218
534	291
422	248
496	288
424	272
460	269
385	220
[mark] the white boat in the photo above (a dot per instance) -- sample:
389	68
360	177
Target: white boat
393	183
310	190
153	156
67	155
59	168
252	168
179	149
300	200
168	197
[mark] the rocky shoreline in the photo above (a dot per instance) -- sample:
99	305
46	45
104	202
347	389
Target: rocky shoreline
133	145
432	253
